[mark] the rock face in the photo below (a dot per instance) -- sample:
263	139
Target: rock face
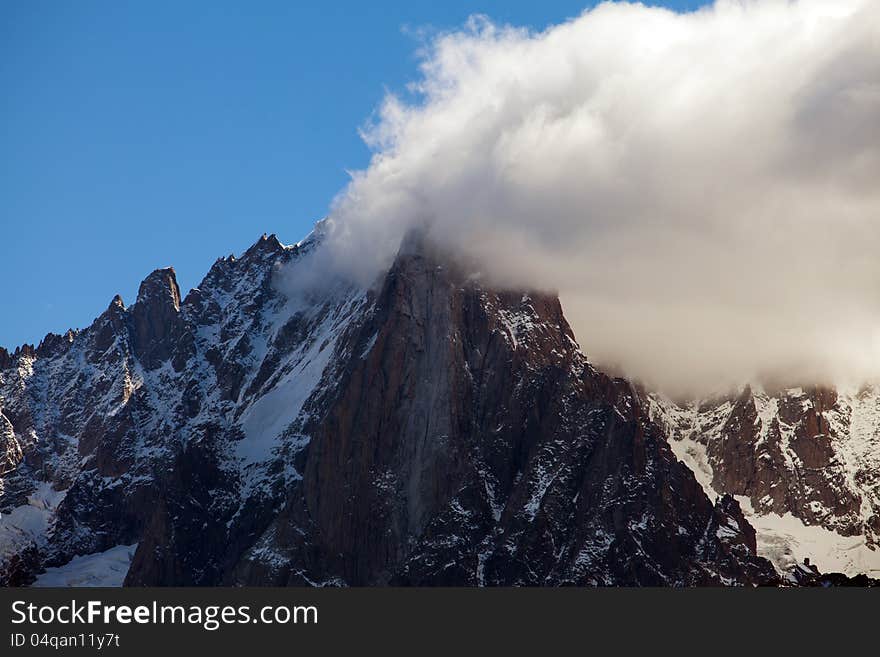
427	430
156	326
812	454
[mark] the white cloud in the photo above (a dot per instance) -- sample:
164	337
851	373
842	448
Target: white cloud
703	189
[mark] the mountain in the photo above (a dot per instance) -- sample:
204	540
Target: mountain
428	429
803	462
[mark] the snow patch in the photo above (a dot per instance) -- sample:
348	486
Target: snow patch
271	414
695	457
106	568
29	523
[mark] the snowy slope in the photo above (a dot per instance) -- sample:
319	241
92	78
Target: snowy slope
106	568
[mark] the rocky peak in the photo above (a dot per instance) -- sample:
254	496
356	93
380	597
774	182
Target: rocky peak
54	344
108	327
24	351
155	319
267	244
160	289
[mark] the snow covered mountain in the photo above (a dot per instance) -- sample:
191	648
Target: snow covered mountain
426	429
803	462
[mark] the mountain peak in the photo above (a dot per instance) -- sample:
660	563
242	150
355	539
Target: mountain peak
155	317
267	244
160	287
433	428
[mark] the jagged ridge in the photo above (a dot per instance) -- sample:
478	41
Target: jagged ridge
427	430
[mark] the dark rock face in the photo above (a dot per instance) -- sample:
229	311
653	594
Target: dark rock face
5	359
427	431
806	574
752	458
155	321
473	444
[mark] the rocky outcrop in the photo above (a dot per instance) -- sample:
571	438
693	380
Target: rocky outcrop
10	450
5	359
156	326
54	345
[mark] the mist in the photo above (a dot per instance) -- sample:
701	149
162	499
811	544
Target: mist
702	189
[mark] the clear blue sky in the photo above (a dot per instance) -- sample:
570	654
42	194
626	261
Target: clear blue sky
136	135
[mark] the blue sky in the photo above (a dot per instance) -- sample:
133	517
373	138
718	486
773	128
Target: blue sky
136	135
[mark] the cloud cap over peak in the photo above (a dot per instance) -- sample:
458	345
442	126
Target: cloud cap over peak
701	188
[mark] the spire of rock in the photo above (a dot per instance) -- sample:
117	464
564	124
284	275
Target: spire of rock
160	288
155	318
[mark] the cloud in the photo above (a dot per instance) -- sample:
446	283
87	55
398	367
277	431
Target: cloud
703	189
